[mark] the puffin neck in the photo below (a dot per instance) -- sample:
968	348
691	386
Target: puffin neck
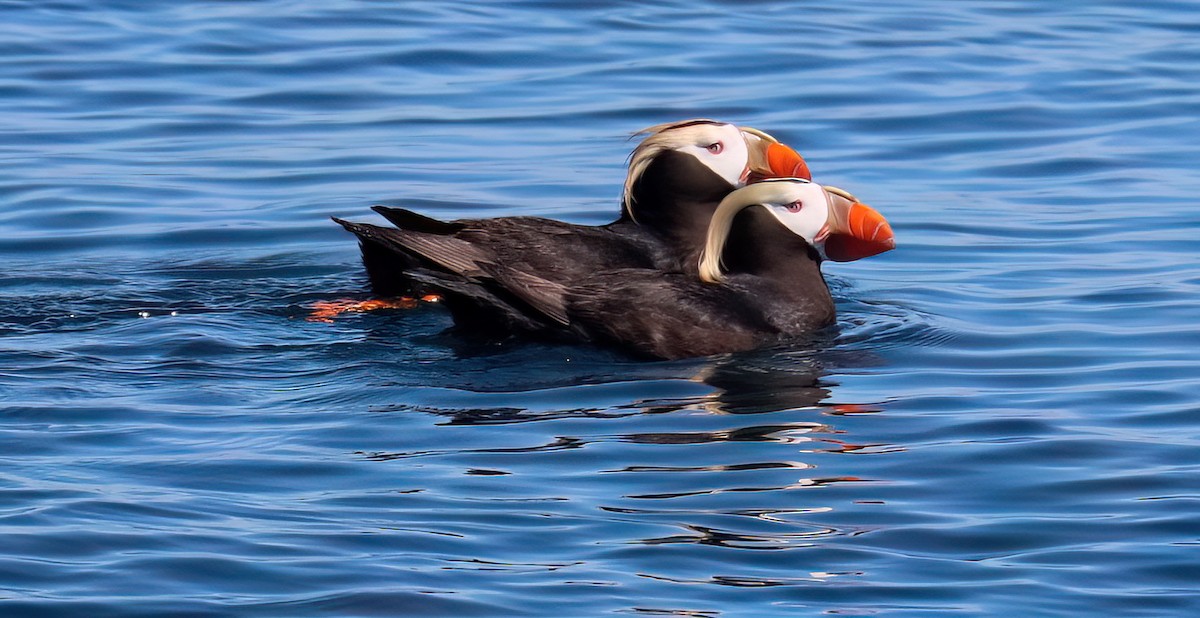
759	244
676	196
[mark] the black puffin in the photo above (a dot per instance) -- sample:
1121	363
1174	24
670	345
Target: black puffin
677	176
757	279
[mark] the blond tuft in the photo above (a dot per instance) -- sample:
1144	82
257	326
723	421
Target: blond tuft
660	138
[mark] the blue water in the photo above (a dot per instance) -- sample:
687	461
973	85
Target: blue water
1007	424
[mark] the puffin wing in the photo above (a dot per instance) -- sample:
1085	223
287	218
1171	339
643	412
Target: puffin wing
545	297
476	305
408	220
665	316
643	311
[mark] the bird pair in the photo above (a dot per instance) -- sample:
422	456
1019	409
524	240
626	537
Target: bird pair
718	249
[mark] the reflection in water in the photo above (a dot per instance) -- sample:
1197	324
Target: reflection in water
697	472
558	444
716	468
766	433
753	383
475	564
726	538
689	613
800	484
756	582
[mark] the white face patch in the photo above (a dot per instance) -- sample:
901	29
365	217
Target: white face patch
722	148
804	209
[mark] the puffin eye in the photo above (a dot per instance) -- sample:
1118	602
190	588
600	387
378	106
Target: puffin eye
794	206
715	147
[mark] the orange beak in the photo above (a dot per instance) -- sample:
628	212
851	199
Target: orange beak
786	163
855	230
774	160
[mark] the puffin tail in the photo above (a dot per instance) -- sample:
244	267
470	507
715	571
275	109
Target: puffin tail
386	266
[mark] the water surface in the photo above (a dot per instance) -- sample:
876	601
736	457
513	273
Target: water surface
1005	423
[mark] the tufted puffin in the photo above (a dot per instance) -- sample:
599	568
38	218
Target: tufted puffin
757	279
677	176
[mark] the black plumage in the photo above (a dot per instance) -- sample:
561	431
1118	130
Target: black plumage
675	196
772	290
633	283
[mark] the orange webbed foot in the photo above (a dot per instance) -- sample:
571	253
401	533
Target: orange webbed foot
326	310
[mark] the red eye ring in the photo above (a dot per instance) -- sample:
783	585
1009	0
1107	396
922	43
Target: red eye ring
794	206
715	147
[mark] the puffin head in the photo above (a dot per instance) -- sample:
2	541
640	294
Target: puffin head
828	218
701	161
